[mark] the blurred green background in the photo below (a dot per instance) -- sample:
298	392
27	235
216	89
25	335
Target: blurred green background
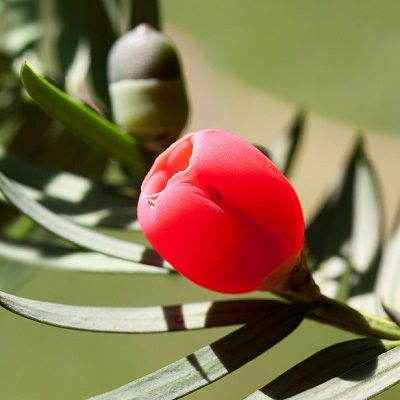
339	58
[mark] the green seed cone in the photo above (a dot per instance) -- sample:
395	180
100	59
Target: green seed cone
148	94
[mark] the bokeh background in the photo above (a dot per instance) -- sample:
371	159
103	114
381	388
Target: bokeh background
249	66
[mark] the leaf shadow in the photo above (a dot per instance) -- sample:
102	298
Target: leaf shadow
330	229
259	334
55	251
219	313
355	360
266	323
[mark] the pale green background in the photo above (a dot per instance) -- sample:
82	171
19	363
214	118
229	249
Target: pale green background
338	57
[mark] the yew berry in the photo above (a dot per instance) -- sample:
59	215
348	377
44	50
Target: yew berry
222	213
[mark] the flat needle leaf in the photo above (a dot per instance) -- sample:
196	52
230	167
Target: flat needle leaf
83	122
214	361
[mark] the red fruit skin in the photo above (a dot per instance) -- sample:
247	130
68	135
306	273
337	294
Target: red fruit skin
221	212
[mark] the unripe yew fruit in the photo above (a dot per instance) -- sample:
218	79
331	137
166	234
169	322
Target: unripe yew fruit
222	213
147	88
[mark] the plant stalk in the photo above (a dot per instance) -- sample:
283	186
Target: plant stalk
298	286
342	316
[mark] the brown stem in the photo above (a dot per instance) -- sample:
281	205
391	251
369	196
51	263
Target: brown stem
295	282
